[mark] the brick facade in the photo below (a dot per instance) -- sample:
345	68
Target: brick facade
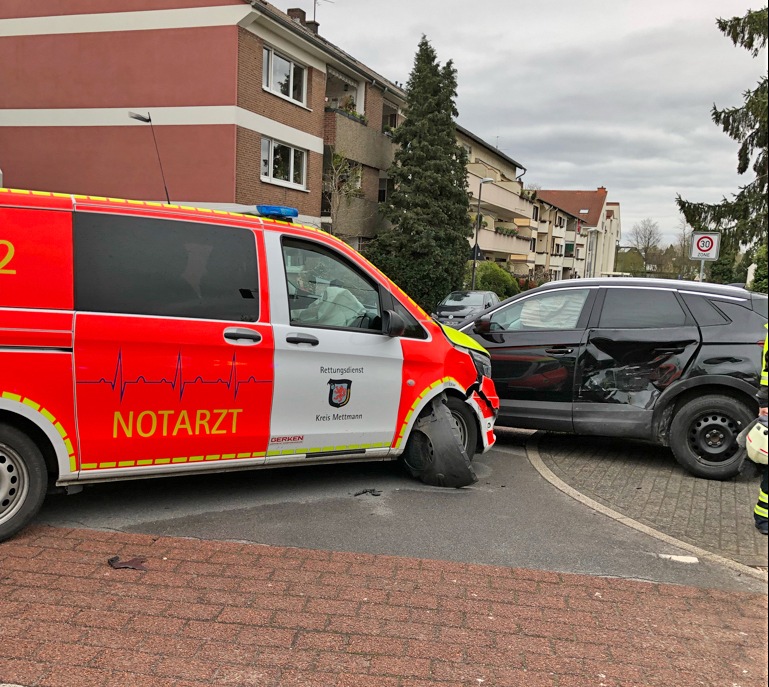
252	97
208	80
250	190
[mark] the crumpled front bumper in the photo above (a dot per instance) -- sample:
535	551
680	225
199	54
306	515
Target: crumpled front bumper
485	403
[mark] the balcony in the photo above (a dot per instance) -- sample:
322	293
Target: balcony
356	141
502	197
496	241
556	261
559	232
525	231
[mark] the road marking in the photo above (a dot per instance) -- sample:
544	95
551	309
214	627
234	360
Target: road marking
679	559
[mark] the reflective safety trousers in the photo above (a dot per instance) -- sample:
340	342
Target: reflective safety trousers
760	511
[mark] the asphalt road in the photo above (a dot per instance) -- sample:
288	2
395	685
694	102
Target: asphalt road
511	517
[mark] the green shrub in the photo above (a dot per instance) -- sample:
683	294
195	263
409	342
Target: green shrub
489	276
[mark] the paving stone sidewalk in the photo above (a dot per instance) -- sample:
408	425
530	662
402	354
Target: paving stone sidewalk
645	483
222	613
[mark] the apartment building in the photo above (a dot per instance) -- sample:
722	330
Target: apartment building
234	104
520	229
504	229
596	233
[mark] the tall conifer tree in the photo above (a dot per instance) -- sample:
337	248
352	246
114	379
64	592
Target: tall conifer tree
426	249
744	217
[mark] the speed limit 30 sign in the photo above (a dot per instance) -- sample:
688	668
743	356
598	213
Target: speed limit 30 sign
705	245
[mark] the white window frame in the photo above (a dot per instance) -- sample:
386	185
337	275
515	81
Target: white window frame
267	75
269	179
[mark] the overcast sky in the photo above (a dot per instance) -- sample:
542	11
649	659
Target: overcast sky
582	93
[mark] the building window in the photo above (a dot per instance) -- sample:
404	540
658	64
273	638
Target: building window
283	76
533	245
535	213
385	187
283	164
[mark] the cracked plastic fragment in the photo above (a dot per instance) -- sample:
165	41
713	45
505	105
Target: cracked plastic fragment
435	452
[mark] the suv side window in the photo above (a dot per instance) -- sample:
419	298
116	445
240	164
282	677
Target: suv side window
642	308
554	310
326	291
151	266
706	314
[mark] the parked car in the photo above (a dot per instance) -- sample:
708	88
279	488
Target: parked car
672	362
459	305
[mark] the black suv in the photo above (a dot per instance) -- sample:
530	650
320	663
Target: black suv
672	362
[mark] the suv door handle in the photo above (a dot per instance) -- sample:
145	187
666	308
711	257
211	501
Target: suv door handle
559	350
302	338
241	335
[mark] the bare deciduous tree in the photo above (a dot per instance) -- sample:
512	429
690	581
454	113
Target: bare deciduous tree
646	237
341	183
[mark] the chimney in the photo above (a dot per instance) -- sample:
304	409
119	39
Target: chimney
298	15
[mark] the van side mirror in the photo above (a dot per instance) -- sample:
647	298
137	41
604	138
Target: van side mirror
393	324
482	325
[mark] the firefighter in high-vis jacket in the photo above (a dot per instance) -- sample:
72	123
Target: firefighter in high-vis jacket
760	511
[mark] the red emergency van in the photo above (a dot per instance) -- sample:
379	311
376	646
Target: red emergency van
145	340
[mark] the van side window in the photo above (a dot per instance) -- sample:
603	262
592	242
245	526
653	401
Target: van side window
326	291
413	330
150	266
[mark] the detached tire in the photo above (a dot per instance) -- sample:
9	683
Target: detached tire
23	480
703	436
464	419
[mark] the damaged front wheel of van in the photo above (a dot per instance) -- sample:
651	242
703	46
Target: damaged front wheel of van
23	480
435	452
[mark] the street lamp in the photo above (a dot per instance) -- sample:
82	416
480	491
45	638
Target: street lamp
483	181
148	120
592	239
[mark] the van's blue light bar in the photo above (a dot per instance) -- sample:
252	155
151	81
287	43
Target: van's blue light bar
276	211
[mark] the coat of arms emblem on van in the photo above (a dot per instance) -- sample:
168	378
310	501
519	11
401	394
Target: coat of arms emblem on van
339	392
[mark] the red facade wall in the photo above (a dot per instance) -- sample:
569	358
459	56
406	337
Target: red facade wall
198	161
142	70
128	69
28	8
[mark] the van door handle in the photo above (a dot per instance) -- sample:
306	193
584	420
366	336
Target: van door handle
560	350
241	335
302	338
675	350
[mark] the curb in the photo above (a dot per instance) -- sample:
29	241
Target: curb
532	453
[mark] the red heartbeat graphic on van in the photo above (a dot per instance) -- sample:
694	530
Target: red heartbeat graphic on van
178	382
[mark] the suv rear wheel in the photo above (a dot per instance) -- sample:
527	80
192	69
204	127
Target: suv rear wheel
23	480
703	436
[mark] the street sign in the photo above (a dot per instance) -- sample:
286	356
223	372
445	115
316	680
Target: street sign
475	254
705	245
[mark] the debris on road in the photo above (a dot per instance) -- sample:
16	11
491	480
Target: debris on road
136	563
373	492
